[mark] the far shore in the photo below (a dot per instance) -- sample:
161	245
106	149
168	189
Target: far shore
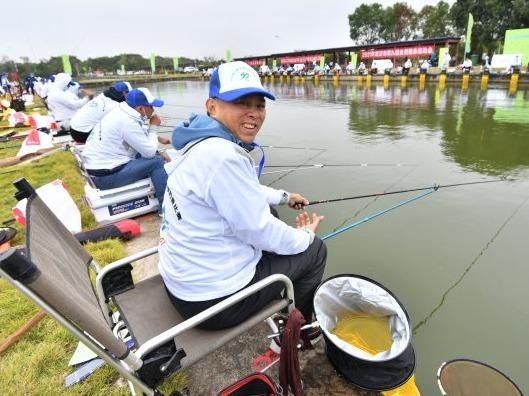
432	76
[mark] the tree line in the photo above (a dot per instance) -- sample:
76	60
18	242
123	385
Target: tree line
106	64
372	23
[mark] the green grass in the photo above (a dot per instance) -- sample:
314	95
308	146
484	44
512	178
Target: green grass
38	363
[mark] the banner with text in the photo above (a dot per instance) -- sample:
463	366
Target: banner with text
400	52
284	60
255	62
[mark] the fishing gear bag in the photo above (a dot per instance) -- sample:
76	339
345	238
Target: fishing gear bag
256	384
354	294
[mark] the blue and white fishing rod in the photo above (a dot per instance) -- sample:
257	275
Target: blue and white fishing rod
375	215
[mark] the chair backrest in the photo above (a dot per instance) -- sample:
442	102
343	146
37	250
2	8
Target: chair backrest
61	278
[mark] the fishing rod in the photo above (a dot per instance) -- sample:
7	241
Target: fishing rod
375	215
337	165
435	187
188	106
172	118
11	146
313	166
295	148
9	138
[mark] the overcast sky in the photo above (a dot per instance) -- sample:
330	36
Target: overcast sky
40	29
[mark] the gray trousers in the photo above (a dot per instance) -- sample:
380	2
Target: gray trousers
305	270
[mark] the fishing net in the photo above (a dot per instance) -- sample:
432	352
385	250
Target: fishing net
468	377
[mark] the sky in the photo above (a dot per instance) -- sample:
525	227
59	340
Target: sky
40	29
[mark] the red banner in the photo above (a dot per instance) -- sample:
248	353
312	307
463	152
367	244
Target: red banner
399	52
255	62
284	60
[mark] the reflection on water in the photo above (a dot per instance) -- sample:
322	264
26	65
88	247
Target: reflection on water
483	131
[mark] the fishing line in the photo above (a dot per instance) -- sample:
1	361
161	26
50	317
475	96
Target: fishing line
436	187
469	267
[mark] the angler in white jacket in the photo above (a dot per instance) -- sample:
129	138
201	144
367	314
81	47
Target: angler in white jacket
122	149
91	113
218	234
62	103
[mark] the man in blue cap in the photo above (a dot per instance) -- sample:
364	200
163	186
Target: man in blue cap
92	112
218	234
122	149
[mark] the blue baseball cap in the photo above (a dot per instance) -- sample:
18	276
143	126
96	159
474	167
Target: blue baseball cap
233	80
122	86
142	97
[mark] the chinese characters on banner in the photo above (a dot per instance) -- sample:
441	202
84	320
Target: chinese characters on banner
401	52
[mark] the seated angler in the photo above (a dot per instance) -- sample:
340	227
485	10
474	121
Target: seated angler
62	103
218	235
91	113
122	149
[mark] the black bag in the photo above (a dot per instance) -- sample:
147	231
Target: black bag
18	105
256	384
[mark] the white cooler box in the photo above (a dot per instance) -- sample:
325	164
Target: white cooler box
121	203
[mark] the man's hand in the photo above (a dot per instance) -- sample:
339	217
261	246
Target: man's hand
155	120
311	222
164	140
297	201
165	156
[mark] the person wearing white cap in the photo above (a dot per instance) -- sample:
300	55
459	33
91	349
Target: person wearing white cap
218	234
62	104
121	148
92	112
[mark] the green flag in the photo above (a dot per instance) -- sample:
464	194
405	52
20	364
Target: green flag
322	61
354	59
175	63
153	62
228	55
469	33
123	68
66	64
274	63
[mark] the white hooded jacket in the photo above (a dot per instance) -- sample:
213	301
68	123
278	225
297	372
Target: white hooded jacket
61	102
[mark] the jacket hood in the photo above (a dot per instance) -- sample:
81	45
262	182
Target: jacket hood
62	80
199	127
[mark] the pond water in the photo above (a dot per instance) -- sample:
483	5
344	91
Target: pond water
456	258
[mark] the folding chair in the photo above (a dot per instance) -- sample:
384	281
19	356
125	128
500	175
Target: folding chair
55	274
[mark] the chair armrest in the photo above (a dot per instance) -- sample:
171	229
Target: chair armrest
116	265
